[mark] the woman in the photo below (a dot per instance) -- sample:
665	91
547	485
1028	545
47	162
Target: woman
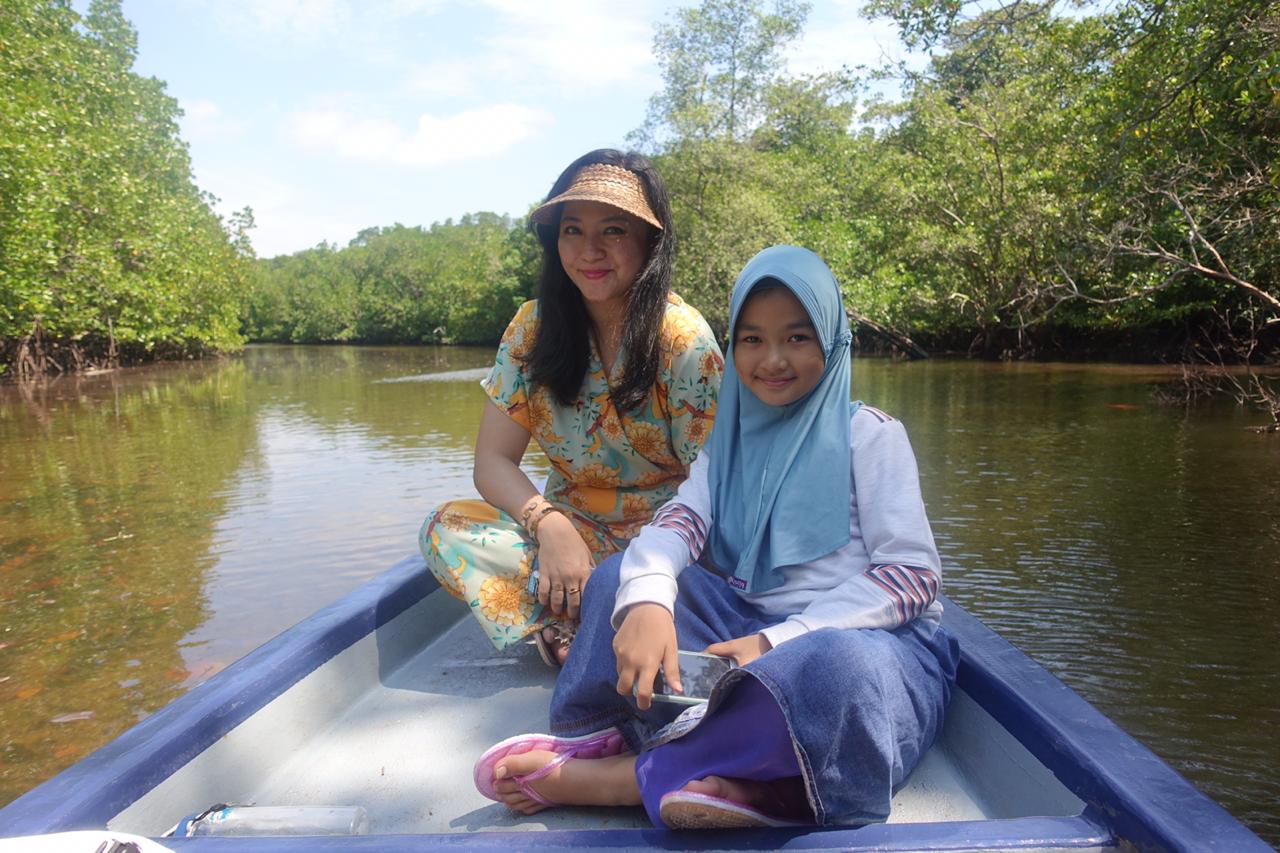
616	379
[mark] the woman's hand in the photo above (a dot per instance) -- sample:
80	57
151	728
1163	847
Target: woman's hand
646	640
564	565
743	650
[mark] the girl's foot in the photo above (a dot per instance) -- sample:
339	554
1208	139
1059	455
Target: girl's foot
578	782
780	797
745	791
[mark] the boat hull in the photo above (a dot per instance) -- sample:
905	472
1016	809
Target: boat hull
385	698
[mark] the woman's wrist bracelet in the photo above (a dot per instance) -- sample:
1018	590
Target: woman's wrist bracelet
536	521
529	507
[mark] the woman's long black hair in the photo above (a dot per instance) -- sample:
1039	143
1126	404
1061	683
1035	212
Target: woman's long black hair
562	349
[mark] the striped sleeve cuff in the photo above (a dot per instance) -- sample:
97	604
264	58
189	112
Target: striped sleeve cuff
911	590
685	523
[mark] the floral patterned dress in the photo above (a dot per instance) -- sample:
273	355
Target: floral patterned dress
610	471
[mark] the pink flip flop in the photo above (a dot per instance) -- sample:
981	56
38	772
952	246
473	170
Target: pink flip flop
601	744
691	810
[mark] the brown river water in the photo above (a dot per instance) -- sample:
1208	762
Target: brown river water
158	523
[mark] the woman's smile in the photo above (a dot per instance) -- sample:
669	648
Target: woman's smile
603	249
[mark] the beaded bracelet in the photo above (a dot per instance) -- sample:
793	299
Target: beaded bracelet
537	520
529	506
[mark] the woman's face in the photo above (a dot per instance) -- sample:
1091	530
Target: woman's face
775	349
603	250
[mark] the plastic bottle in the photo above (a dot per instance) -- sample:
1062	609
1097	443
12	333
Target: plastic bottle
276	820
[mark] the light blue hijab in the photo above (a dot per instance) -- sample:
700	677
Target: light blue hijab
779	475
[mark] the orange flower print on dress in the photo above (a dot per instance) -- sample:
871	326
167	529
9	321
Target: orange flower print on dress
651	442
684	332
637	507
653	478
612	428
505	600
711	363
542	418
697	430
522	342
632	530
608	469
599	475
452	582
450	519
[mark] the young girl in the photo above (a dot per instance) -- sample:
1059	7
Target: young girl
816	572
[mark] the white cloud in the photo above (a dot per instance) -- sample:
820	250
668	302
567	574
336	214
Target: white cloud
202	120
305	18
288	218
283	232
403	8
447	78
466	135
575	42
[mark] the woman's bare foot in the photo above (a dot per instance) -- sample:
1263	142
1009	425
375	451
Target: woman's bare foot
558	646
578	782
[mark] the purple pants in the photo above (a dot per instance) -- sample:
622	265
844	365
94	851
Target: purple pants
746	738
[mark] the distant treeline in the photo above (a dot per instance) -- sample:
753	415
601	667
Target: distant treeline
453	282
1050	184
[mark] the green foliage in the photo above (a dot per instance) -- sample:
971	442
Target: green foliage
455	282
107	248
718	60
1101	173
1104	172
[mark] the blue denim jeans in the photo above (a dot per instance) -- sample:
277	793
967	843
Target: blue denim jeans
860	706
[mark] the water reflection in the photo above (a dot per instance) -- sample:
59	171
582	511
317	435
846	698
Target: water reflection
157	524
1130	548
107	488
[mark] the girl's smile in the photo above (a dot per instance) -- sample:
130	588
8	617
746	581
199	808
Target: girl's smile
775	348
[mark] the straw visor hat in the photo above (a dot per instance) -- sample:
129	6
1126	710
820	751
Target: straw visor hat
612	185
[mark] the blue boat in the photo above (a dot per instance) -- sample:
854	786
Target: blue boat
385	699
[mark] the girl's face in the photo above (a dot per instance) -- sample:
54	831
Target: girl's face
775	348
603	250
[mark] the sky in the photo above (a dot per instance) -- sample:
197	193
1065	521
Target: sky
330	116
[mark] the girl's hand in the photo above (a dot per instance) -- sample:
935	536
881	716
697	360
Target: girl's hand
743	650
646	640
564	565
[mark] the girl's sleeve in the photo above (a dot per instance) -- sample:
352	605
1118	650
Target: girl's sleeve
665	546
692	380
905	572
506	384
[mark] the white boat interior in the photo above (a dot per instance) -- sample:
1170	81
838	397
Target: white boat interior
395	722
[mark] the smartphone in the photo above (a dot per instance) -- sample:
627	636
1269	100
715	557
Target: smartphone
699	672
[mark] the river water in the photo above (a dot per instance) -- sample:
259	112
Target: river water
158	523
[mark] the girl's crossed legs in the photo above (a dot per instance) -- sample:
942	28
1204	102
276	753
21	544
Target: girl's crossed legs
887	689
